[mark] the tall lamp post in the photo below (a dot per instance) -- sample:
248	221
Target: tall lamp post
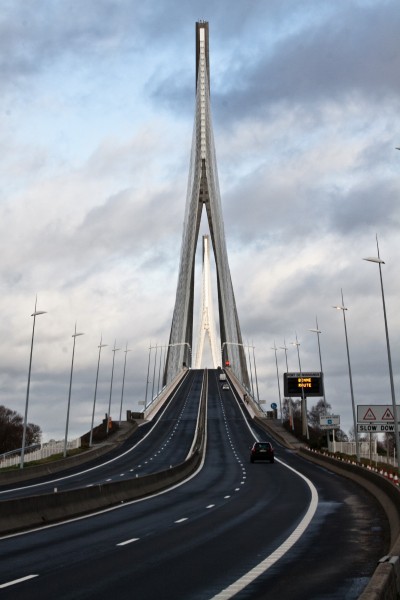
251	370
255	374
277	377
304	422
154	374
35	314
147	379
291	420
380	262
318	332
75	335
95	391
123	384
114	350
234	344
343	309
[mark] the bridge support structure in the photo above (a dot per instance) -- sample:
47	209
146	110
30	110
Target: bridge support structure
207	323
203	190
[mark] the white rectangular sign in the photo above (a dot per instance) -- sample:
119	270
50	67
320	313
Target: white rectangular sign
376	413
329	421
375	427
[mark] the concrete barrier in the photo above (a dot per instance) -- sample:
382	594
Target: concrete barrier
23	513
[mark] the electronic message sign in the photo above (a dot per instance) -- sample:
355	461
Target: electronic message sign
297	384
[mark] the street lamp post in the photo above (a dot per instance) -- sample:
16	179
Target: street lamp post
123	384
291	420
114	350
251	371
255	374
229	344
318	332
277	377
154	374
95	391
75	335
35	314
380	262
159	369
304	422
343	309
147	379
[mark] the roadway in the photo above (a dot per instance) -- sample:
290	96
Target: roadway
234	526
150	449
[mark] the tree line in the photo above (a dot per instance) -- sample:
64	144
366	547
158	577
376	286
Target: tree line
11	431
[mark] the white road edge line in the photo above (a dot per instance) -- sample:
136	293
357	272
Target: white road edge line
15	581
270	560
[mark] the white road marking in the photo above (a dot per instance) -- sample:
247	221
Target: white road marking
270	560
128	542
181	520
210	506
15	581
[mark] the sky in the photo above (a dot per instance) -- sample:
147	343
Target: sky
97	111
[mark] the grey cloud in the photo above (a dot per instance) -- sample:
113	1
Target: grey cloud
321	62
370	207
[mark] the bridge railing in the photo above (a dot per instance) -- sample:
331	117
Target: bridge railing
36	452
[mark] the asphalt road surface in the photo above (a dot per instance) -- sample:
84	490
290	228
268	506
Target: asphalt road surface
150	449
286	531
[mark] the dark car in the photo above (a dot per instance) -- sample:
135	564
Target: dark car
262	451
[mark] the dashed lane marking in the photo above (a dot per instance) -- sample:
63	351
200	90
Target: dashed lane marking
15	581
128	542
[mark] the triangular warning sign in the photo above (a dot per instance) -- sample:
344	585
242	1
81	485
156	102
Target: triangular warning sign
369	415
388	415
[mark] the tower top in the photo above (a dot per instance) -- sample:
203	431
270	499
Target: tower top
202	50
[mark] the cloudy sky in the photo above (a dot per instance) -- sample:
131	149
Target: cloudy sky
97	109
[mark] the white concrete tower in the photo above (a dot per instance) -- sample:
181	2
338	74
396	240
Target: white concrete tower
207	323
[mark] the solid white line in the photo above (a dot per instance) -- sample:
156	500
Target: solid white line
15	581
270	560
128	542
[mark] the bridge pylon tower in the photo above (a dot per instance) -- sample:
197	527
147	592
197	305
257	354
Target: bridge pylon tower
203	190
207	323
